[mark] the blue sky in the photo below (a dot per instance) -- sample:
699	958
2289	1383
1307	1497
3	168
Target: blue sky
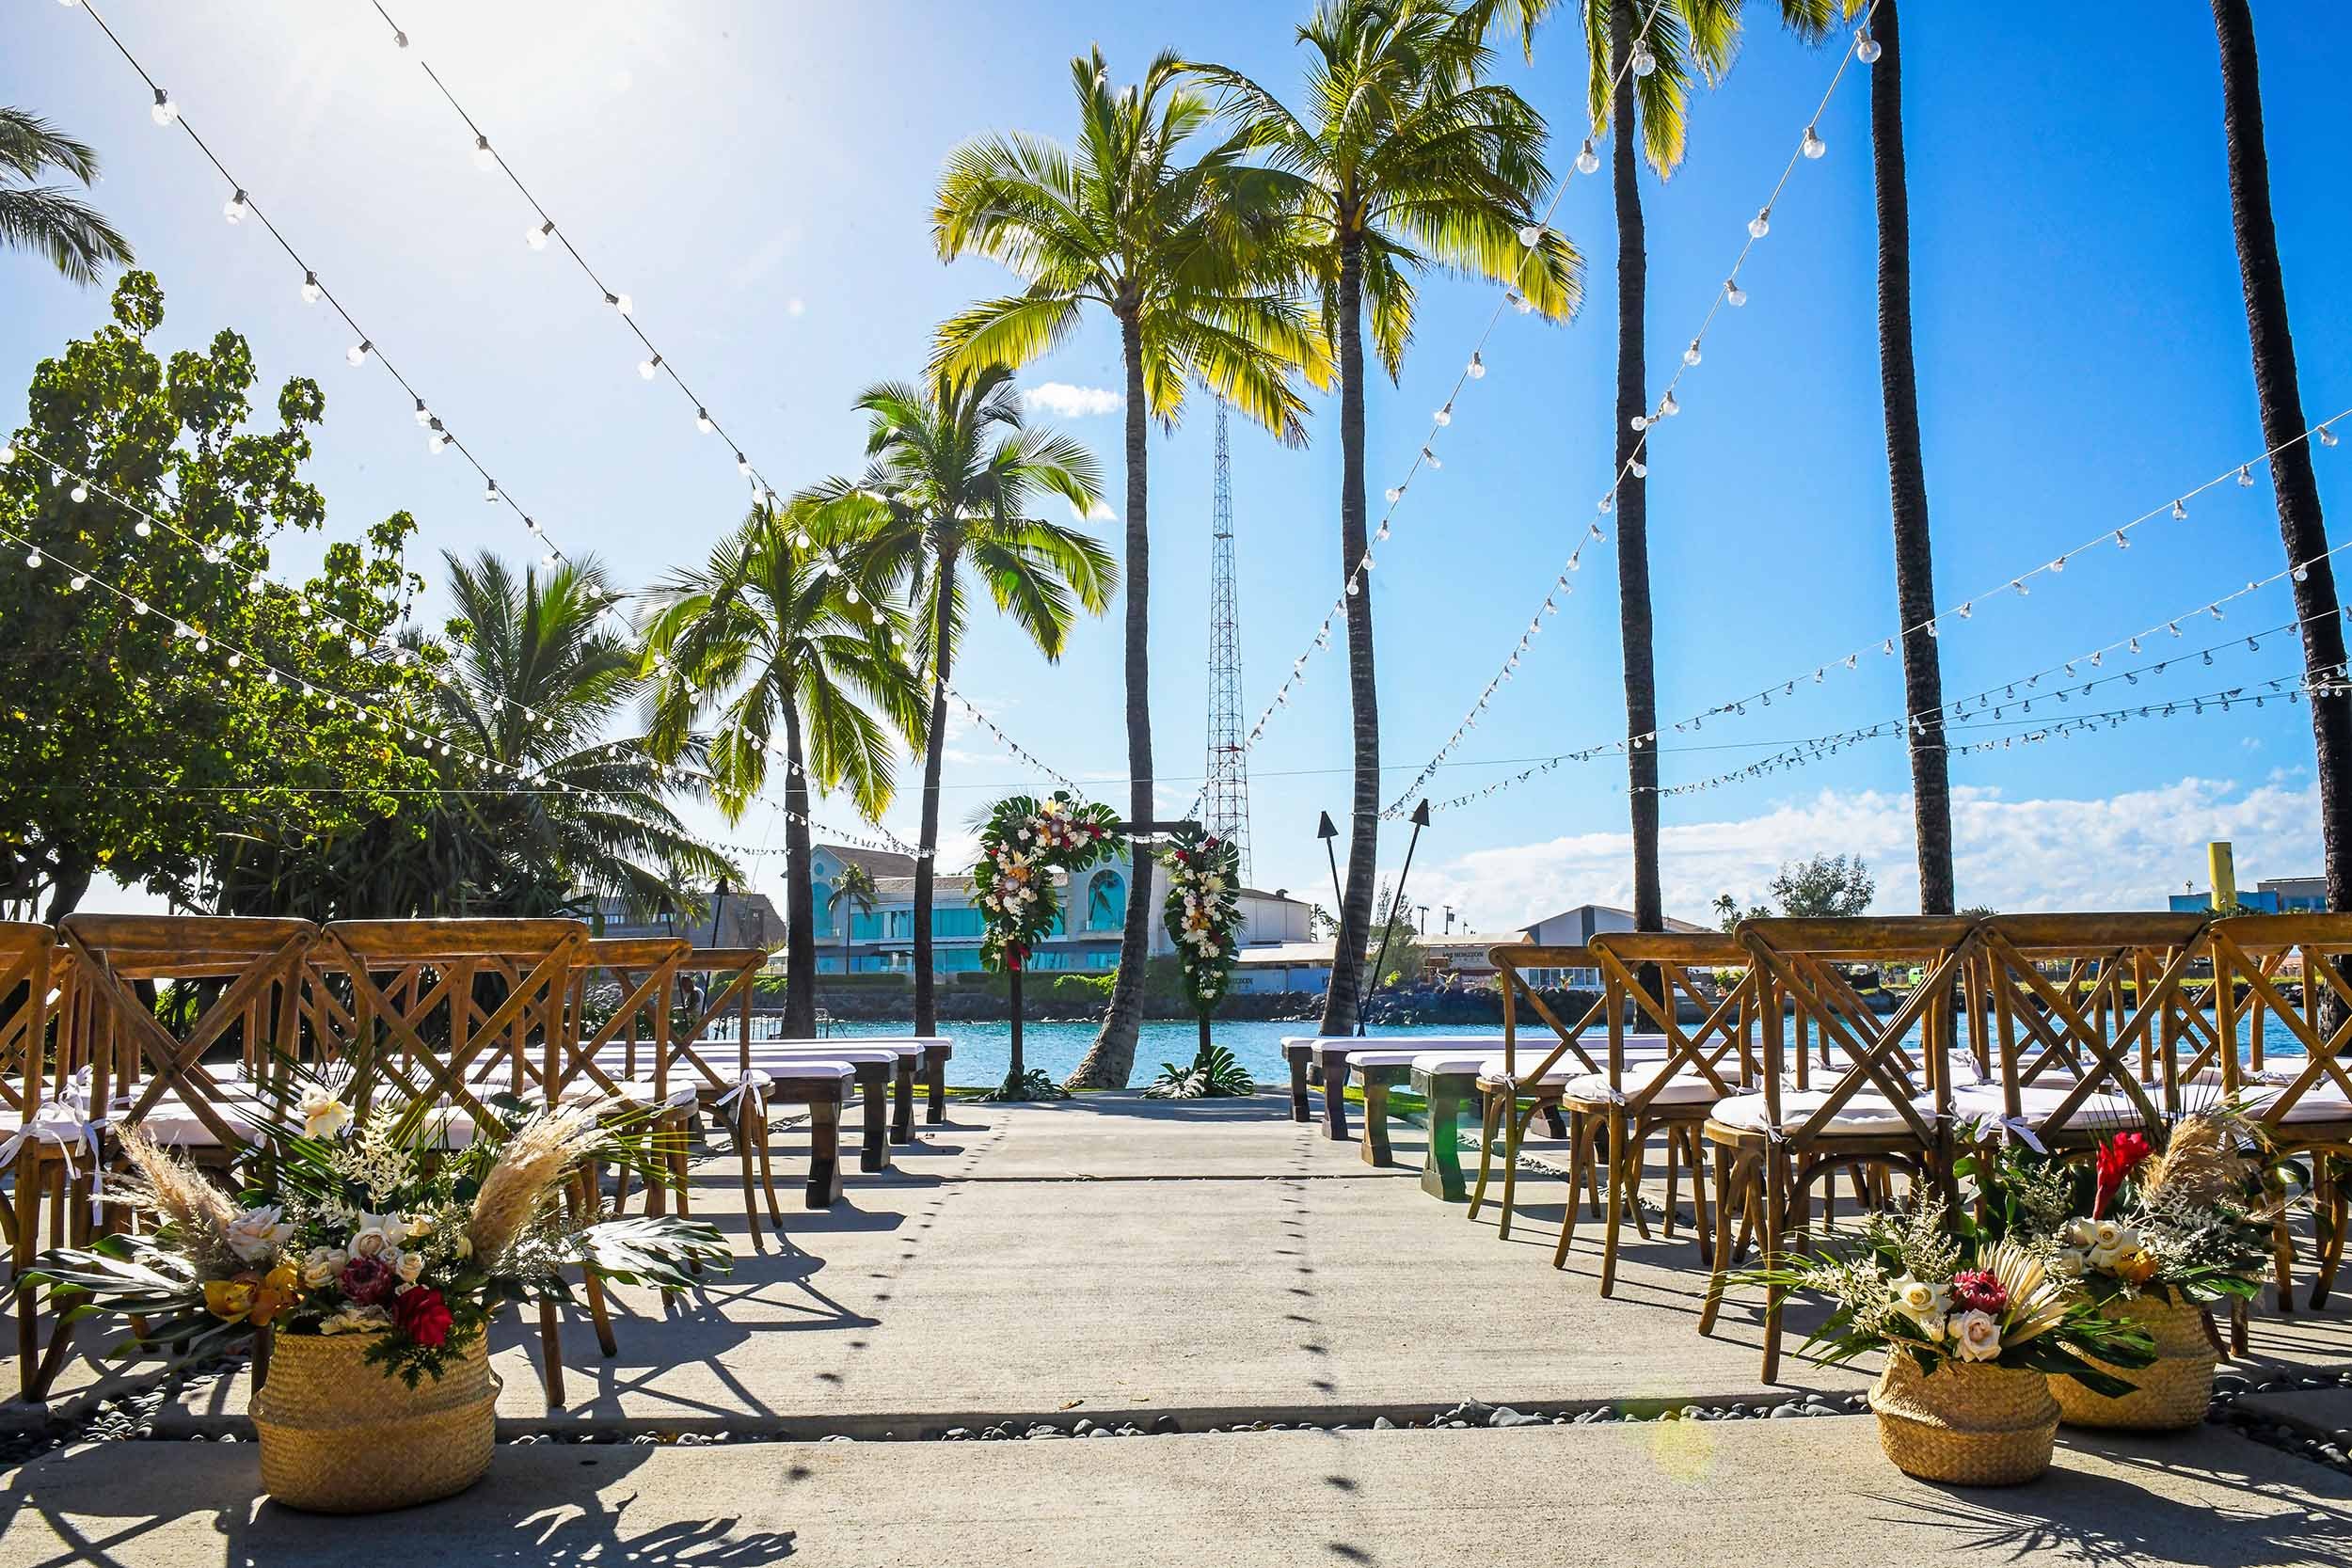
758	178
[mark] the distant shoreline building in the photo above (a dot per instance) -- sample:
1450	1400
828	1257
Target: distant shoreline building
2271	896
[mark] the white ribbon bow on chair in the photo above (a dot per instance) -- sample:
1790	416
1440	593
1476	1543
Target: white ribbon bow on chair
753	1082
2019	1129
61	1124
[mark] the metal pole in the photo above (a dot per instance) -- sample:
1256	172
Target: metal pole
1420	820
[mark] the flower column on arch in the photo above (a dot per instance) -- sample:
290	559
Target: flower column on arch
1025	844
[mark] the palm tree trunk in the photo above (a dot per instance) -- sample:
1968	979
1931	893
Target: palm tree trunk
1112	1057
2301	527
925	872
1906	478
1632	507
1341	1004
799	900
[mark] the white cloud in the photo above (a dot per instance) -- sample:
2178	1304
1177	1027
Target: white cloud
1099	512
1064	401
2123	852
796	306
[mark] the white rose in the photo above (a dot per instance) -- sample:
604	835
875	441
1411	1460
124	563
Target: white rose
1976	1337
2106	1233
1931	1325
322	1115
2069	1263
411	1264
2082	1233
2115	1243
1917	1298
323	1264
355	1320
378	1235
257	1233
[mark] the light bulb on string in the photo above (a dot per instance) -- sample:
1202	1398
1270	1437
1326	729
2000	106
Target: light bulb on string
1668	407
2180	511
1443	417
1734	296
1761	224
1395	494
2245	476
310	288
234	209
2327	437
423	415
33	559
1866	48
80	493
645	368
1431	458
1813	145
621	303
702	420
1644	61
1691	354
1638	469
1531	234
490	491
537	238
357	352
142	528
79	582
483	159
743	466
1477	371
165	110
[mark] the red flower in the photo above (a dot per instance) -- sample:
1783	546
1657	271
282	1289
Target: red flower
368	1281
1977	1290
422	1315
2117	1158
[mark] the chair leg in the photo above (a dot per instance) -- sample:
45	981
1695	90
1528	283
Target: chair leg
2282	1249
552	1355
1630	1166
1701	1222
2237	1329
1617	1200
1722	1265
1674	1172
598	1313
748	1116
25	1234
1490	1106
2331	1255
767	1175
1515	1132
1596	1148
1775	1214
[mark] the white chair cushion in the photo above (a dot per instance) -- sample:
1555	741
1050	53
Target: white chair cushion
1687	1086
1456	1062
2038	1102
897	1045
1383	1057
765	1055
1867	1112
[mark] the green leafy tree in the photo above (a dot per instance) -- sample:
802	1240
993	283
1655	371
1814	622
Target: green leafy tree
1404	158
954	472
1833	886
140	731
51	219
1195	261
785	629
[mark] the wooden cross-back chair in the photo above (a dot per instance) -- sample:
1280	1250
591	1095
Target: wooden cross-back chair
2087	1013
1884	1109
645	970
1621	1110
159	1080
48	1136
2306	1108
423	1030
1511	1096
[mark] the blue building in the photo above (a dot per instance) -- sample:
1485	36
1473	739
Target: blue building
880	939
2271	896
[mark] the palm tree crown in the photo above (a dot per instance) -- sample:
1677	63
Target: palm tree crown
785	628
1194	257
51	219
953	472
534	682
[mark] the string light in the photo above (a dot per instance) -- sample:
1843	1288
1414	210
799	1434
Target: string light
235	208
165	111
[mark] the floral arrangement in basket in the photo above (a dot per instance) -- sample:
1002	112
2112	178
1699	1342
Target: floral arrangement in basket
2190	1225
1023	843
1202	915
371	1225
1930	1284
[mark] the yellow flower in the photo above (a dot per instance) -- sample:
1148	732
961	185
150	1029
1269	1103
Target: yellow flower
229	1300
2136	1267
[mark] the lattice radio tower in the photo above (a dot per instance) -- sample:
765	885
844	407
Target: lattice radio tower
1228	805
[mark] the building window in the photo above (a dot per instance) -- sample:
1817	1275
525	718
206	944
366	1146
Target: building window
1107	902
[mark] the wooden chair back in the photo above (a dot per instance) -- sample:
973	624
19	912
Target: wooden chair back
256	962
2255	951
1728	1020
740	968
2094	1004
1512	960
645	969
1799	964
33	1070
435	1003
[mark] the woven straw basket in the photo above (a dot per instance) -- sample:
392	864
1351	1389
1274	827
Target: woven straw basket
339	1437
2172	1394
1967	1425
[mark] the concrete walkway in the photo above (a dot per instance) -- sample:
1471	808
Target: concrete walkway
1813	1491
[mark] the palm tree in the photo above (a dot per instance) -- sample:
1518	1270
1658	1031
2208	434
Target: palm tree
1639	89
854	893
1404	159
953	472
1906	474
785	627
51	219
537	679
1192	262
2301	526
